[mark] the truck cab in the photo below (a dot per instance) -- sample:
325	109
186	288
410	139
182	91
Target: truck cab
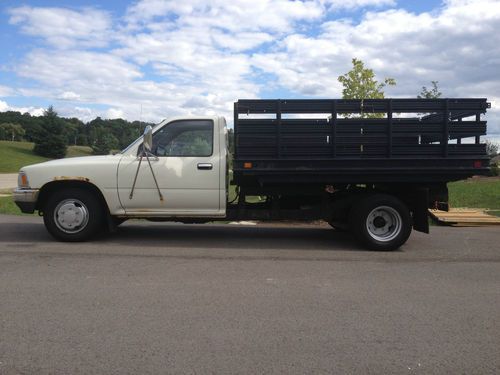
188	158
183	175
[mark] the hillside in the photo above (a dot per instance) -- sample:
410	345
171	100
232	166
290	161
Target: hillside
14	155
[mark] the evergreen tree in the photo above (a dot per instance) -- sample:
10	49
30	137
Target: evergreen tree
51	142
104	143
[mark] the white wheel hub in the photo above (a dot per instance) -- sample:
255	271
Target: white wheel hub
384	223
71	216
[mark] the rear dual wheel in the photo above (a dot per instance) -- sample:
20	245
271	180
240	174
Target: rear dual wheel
381	222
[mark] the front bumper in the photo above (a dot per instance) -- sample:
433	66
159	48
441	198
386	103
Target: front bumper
26	199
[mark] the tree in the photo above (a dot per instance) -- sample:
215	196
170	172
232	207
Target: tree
104	143
230	138
360	83
52	142
11	132
491	148
433	93
81	140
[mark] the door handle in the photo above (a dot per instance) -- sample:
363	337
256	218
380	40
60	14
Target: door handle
205	166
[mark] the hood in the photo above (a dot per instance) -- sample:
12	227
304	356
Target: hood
76	162
100	170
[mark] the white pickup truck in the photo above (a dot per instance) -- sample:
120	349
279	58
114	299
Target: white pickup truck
300	168
76	194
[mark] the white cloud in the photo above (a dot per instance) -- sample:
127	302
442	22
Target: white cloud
34	111
458	46
6	91
113	113
195	57
354	4
3	106
240	41
64	28
236	15
71	69
69	95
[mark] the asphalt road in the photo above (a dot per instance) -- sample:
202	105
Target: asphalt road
160	298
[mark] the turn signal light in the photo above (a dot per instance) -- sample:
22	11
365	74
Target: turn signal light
247	165
22	180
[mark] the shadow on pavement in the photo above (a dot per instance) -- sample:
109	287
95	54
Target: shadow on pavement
23	232
191	236
234	237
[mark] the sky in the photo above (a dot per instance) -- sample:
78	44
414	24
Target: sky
153	59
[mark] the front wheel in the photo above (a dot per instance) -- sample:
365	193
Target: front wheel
381	222
73	215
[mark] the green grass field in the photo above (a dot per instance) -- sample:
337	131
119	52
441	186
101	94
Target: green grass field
74	151
14	155
475	193
8	207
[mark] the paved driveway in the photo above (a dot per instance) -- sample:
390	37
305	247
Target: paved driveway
159	299
8	180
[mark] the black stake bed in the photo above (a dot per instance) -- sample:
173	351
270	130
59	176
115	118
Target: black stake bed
332	141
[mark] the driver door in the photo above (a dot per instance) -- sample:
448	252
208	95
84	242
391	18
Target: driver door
186	164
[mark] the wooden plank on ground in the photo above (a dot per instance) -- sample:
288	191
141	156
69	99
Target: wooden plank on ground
464	217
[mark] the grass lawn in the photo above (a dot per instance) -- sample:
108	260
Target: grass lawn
477	193
74	151
14	155
7	206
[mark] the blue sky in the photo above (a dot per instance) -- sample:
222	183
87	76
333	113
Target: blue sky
110	59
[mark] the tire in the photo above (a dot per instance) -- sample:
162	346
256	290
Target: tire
381	222
73	215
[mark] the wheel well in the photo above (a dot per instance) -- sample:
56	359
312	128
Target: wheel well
48	189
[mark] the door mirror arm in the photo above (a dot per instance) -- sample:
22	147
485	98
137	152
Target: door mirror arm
147	143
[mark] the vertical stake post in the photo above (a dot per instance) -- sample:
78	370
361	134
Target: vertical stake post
389	128
446	131
278	129
235	130
478	120
333	129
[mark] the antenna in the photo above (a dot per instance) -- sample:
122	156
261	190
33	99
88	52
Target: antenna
140	119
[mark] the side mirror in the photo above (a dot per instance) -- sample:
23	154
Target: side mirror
148	138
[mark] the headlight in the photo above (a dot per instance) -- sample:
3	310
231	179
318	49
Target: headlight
22	180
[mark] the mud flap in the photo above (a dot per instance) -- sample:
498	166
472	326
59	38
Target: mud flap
420	210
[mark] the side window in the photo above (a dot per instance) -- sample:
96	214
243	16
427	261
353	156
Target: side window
184	138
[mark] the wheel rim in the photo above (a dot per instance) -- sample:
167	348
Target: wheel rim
71	216
384	223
